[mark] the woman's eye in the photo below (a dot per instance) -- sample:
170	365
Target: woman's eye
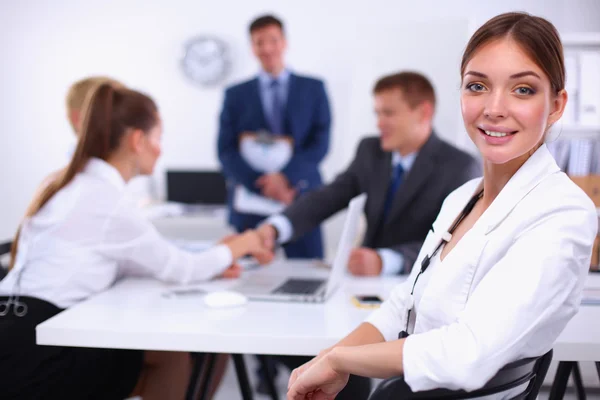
524	91
475	87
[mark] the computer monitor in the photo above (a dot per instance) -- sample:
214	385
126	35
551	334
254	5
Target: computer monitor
196	187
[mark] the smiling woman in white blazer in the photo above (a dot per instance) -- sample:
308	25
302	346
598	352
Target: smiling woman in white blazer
505	282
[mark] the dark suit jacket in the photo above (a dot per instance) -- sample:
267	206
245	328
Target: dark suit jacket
307	120
438	169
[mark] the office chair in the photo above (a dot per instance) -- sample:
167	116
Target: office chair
565	370
530	370
4	250
203	368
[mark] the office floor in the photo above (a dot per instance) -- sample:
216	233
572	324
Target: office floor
229	389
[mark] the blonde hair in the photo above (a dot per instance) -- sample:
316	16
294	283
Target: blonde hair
108	113
79	93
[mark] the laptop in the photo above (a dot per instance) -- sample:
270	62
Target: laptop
205	188
303	289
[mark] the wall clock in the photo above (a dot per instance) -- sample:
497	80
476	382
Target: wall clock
206	60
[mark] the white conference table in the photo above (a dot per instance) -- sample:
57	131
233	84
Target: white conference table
139	314
136	314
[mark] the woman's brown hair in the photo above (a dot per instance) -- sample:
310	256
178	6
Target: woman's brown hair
109	114
536	36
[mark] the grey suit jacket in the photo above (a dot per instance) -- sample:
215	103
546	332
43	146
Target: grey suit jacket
438	169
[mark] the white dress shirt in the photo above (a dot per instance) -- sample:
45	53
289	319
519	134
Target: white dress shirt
266	92
506	290
89	234
392	261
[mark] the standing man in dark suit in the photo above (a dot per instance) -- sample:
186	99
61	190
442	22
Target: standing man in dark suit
407	172
294	109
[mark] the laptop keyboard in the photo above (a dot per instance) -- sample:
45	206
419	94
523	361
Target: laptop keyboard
299	286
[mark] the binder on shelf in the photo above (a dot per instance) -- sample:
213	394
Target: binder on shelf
569	117
580	157
595	167
589	98
560	151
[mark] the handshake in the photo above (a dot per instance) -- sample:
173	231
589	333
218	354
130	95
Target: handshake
258	243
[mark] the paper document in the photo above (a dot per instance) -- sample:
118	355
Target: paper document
244	201
173	209
591	296
162	210
264	156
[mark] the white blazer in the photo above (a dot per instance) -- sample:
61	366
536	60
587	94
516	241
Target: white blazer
506	290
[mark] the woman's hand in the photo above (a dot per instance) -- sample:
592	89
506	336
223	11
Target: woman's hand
257	247
317	380
228	239
234	271
249	243
304	367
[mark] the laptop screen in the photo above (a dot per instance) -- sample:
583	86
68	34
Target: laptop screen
340	262
196	187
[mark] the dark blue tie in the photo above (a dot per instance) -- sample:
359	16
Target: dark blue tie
395	182
277	108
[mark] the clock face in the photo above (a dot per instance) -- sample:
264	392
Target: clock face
206	60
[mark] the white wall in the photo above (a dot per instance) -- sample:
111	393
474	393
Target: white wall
46	45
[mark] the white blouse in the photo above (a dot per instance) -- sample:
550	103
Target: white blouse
506	290
89	234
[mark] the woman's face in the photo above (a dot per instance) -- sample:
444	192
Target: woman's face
507	102
150	149
74	120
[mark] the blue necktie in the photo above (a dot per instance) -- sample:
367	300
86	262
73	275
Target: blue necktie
277	108
392	189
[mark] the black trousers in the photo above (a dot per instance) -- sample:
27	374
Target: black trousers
358	387
29	371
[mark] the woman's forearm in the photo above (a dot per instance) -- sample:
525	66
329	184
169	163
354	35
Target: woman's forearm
364	334
379	360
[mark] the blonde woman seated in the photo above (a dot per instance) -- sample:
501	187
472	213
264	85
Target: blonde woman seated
79	92
80	234
76	97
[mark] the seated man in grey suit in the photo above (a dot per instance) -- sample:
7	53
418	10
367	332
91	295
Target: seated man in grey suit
407	172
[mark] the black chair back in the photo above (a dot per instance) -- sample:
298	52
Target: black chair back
4	250
531	371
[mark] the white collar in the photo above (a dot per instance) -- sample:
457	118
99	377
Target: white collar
406	161
265	78
103	170
539	166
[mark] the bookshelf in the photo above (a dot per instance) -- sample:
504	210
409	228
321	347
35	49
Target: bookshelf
573	125
575	131
588	39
